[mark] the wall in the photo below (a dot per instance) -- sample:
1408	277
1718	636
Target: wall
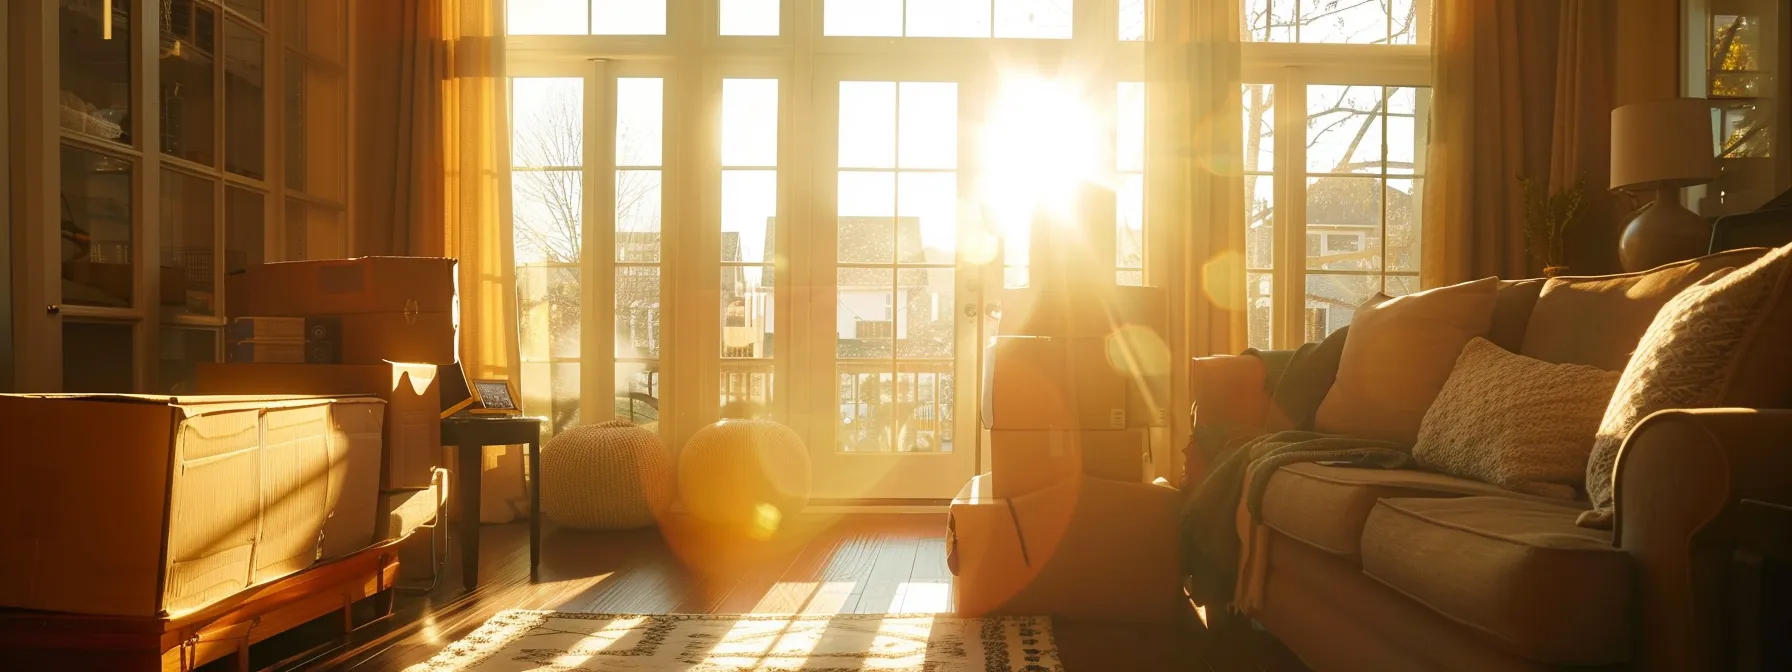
1648	50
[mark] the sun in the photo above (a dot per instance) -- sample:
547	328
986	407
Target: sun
1038	150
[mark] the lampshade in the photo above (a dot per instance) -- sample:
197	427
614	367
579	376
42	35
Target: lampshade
1662	143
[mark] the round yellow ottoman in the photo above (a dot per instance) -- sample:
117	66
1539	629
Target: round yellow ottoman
611	476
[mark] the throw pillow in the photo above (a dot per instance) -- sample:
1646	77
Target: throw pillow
1598	320
1398	356
1519	423
1721	342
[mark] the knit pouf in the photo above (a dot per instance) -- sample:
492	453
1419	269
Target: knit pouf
612	476
746	475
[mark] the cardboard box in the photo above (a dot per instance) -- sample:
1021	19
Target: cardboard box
1085	549
156	506
1038	382
403	309
1091	310
266	351
413	426
1028	460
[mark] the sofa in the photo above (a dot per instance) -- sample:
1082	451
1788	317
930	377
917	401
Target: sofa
1394	569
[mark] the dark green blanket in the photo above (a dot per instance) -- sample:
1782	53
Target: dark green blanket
1210	545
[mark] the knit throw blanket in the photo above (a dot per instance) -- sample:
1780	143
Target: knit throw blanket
1212	517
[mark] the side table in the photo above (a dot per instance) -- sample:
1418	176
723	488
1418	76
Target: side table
470	434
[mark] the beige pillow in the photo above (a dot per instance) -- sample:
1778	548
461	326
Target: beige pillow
1519	423
1398	356
1597	320
1721	342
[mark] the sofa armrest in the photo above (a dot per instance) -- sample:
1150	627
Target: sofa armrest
1228	390
1679	479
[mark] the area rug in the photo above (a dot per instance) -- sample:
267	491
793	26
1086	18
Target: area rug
567	642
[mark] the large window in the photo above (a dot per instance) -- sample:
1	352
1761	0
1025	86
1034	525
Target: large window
1334	163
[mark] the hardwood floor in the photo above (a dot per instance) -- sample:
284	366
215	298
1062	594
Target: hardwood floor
856	563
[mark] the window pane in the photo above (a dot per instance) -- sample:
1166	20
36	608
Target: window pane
1269	20
746	388
867	124
1132	20
749	206
1341	210
547	121
189	92
1406	209
547	17
928	130
548	210
245	104
1344	129
638	393
97	60
1258	289
639	121
749	17
98	231
638	312
98	357
245	229
552	389
628	17
1332	300
948	18
189	257
866	205
1033	18
747	325
1401	285
923	316
867	413
1350	21
926	218
1406	134
924	398
866	18
638	219
1259	202
1129	120
1129	223
1404	15
865	315
1259	127
749	122
548	312
314	232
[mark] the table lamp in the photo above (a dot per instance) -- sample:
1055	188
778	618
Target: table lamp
1662	145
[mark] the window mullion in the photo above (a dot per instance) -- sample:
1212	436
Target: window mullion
597	267
1291	210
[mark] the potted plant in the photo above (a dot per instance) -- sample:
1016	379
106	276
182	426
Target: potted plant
1548	217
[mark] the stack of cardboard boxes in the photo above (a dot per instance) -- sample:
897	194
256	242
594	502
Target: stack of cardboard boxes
381	326
1074	383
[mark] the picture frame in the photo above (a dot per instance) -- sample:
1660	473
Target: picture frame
494	397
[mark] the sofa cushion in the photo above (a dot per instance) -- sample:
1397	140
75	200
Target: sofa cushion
1398	356
1519	423
1516	569
1598	320
1325	506
1721	342
1512	308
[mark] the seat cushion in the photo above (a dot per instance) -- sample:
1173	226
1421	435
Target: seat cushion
1518	570
1598	320
1325	506
403	511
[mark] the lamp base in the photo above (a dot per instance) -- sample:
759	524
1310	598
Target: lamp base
1662	233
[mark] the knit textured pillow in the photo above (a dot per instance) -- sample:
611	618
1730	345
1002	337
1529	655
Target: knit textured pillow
1706	347
1519	423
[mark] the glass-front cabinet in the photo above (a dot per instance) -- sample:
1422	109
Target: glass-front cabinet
163	145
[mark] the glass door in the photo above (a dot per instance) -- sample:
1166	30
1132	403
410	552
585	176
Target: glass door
899	329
